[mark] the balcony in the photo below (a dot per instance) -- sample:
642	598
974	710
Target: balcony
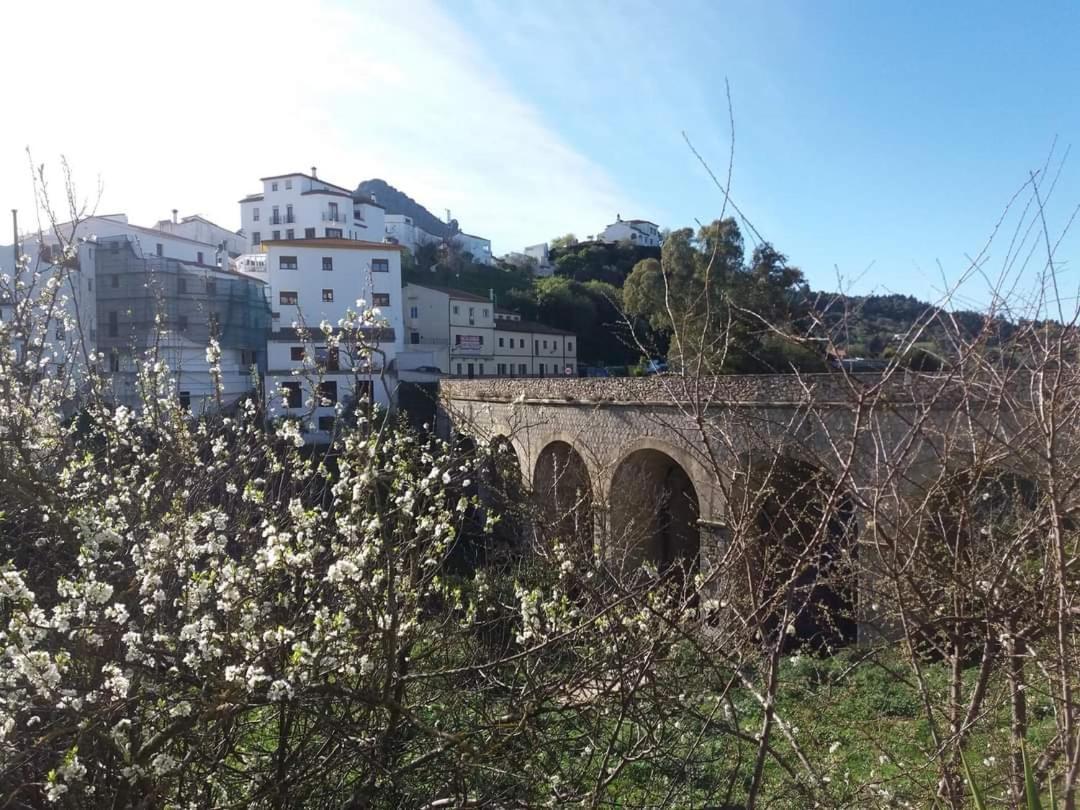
333	216
288	219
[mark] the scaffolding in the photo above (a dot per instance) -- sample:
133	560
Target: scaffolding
148	301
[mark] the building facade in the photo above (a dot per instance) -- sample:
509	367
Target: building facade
301	206
312	282
200	229
635	231
455	325
529	349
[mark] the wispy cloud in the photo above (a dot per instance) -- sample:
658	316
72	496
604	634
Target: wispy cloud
187	109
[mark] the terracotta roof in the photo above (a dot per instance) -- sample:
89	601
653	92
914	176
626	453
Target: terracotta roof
332	242
460	295
502	325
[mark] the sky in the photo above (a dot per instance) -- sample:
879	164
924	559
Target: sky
875	144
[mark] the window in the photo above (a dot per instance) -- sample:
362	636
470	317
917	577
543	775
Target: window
414	312
328	295
333	233
290	234
327	262
536	347
486	312
414	338
213	322
60	334
380	265
327	358
326	393
501	342
181	322
276	235
380	299
289	214
211	287
288	298
472	313
500	369
456	310
181	285
457	340
309	233
114	362
287	262
185	400
288	184
255	215
198	257
160	249
326	424
545	344
89	285
273	186
569	345
114	246
114	325
333	212
114	280
481	369
292	396
521	369
296	354
459	369
256	238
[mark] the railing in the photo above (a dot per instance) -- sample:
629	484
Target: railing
331	216
282	220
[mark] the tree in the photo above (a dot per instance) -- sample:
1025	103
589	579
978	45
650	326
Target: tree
564	241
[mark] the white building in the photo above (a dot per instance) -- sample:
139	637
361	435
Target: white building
401	230
315	280
200	229
544	266
530	349
131	288
301	206
635	231
477	246
455	327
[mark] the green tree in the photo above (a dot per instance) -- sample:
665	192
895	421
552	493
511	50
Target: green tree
564	241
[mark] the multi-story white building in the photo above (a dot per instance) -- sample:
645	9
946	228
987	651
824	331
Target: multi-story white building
635	231
476	246
455	326
539	253
529	349
403	231
301	206
312	281
130	289
200	229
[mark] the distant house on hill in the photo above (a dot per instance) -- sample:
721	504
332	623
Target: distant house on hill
635	231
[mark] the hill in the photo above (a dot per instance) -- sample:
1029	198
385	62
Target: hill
398	202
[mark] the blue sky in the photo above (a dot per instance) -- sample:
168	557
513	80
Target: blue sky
873	141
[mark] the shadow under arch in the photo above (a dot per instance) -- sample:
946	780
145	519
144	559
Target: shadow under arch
795	542
654	511
563	494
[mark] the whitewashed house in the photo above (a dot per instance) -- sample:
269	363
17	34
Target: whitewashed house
200	229
316	281
530	349
634	231
302	206
456	329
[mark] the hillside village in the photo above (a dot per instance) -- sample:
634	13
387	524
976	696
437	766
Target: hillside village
272	295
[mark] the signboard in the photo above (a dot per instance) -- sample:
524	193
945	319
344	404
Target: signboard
471	344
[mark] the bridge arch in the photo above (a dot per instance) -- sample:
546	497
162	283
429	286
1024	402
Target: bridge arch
654	511
794	531
563	492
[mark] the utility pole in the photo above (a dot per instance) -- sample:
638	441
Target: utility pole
15	230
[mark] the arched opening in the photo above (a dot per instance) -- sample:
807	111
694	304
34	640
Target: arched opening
563	494
794	535
654	514
973	542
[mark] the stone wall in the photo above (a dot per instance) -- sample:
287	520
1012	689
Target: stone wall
734	389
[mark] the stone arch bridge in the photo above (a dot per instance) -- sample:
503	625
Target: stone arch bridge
668	456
